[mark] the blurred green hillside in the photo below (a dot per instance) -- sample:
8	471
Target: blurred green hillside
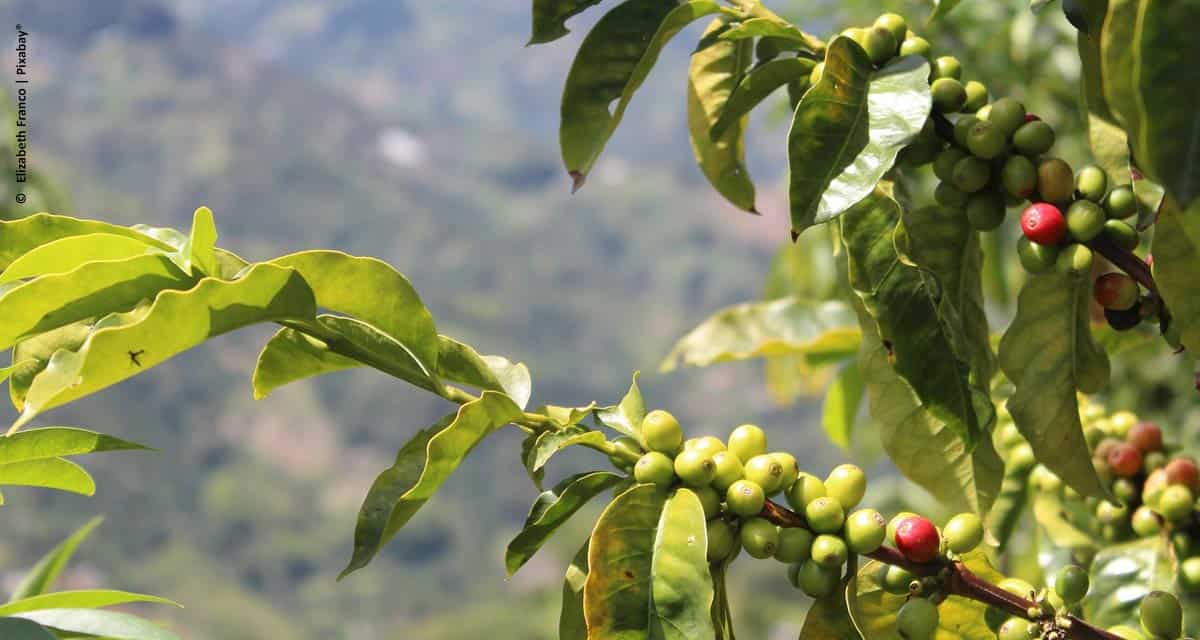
423	133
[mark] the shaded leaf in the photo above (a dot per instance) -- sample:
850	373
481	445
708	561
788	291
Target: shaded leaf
612	62
291	355
848	129
72	252
32	355
48	473
1176	251
722	617
41	577
626	417
1122	575
1049	511
550	18
759	83
829	617
549	443
840	410
20	629
682	589
617	593
421	466
81	599
54	442
551	510
109	625
1049	354
571	625
766	27
23	234
713	74
1117	65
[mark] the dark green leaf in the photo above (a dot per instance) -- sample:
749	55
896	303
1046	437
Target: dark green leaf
829	617
1048	353
41	577
550	18
626	417
840	410
611	64
682	589
617	593
421	466
1176	251
1117	64
849	127
49	473
20	629
551	442
109	625
81	599
712	75
72	252
551	510
54	442
571	625
722	616
755	87
20	236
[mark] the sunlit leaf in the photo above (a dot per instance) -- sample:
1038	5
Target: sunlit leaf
680	584
766	27
80	599
48	473
571	625
551	510
198	254
626	417
71	252
23	234
41	577
617	592
458	362
32	355
110	625
1049	511
840	410
54	442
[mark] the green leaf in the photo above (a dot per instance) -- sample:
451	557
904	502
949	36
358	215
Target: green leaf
81	599
682	589
759	83
291	355
93	289
551	510
54	442
18	629
550	18
421	466
1167	81
612	62
549	443
713	74
31	356
49	473
1176	251
942	7
766	27
373	292
787	326
1038	5
571	625
1009	506
1049	511
198	254
72	252
829	617
906	311
177	321
617	595
567	416
1122	575
460	363
848	129
626	417
874	610
1117	65
109	625
1049	354
722	617
24	234
840	410
41	577
921	445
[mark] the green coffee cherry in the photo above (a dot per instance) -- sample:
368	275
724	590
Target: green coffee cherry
817	581
795	545
661	432
728	470
985	210
1008	114
943	165
825	515
806	489
745	498
977	96
1110	513
791	470
654	468
747	441
765	471
1019	177
625	448
971	174
709	445
947	67
1045	480
895	25
814	76
962	129
1122	234
916	46
917	620
1033	138
847	484
1085	220
984	112
1161	615
948	95
1120	203
1092	183
986	140
759	538
923	149
720	540
865	530
1176	503
829	551
1036	258
963	532
1015	629
1189	574
880	45
695	468
896	580
710	501
1071	584
1056	181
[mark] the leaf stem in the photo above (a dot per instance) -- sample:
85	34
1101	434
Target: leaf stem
961	582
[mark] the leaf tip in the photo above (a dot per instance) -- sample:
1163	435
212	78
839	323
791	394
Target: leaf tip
577	180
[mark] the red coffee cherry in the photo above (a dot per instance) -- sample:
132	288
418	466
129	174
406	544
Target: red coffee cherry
1183	471
1116	291
918	539
1029	117
1146	436
1043	223
1125	460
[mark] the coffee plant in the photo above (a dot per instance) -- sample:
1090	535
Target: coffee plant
886	301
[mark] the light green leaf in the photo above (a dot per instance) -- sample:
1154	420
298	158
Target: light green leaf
617	594
766	27
49	473
1176	251
460	363
91	290
626	417
1049	354
177	321
550	18
681	587
421	466
759	83
1049	511
72	252
713	73
19	629
291	355
33	354
41	577
197	256
905	310
787	326
55	442
549	443
567	416
81	599
571	625
840	410
19	236
848	129
551	510
109	625
373	292
611	64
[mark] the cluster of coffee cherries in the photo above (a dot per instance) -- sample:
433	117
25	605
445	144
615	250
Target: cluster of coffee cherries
735	478
885	39
1049	617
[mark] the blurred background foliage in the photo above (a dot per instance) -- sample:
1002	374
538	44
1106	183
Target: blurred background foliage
425	133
